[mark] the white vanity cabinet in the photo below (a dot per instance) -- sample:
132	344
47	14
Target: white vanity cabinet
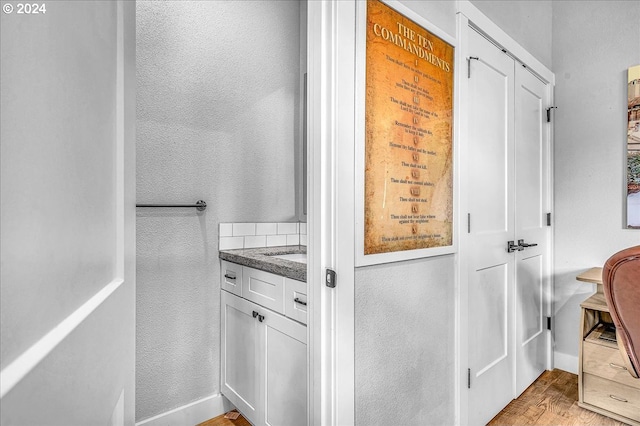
264	356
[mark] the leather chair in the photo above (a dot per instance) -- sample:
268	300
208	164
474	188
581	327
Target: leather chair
621	279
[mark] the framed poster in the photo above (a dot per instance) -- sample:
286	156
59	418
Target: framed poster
633	148
407	156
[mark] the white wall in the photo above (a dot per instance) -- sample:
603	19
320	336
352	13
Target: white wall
61	131
404	321
594	42
218	100
526	21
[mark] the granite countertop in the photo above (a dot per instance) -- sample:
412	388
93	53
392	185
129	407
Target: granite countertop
262	258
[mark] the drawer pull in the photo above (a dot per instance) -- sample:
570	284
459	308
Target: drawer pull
300	302
617	398
231	277
619	367
255	314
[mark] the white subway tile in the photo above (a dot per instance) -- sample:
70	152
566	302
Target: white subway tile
230	243
287	228
226	230
303	228
253	241
276	240
266	228
242	229
293	240
303	240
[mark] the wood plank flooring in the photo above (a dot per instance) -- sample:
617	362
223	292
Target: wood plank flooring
221	421
551	400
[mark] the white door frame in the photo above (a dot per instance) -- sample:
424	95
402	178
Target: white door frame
469	14
330	189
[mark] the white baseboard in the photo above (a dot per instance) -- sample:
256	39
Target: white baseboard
193	413
565	362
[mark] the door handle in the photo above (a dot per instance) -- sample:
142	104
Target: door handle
300	302
513	247
619	367
255	314
617	398
260	318
524	245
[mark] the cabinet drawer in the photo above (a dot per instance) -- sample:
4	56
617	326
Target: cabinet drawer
612	396
231	277
295	300
264	288
607	363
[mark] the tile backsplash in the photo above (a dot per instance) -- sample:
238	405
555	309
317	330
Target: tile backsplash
253	235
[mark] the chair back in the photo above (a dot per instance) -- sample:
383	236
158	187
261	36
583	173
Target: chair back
621	279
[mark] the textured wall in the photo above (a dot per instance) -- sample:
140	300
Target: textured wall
404	317
527	21
218	98
404	320
594	42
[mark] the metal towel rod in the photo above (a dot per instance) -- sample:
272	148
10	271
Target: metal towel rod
200	205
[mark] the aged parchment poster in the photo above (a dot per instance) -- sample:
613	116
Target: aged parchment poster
633	149
408	135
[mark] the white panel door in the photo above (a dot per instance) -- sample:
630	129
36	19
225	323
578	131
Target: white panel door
531	176
491	201
508	201
240	334
67	310
284	376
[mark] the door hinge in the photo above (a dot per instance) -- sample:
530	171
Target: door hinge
468	378
330	278
468	223
548	219
548	323
549	113
469	65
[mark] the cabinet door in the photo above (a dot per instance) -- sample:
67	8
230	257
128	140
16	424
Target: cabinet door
240	354
284	377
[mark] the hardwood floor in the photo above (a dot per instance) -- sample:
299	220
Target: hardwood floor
221	421
551	400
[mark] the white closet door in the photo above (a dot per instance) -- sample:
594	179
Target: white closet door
531	177
491	201
508	201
